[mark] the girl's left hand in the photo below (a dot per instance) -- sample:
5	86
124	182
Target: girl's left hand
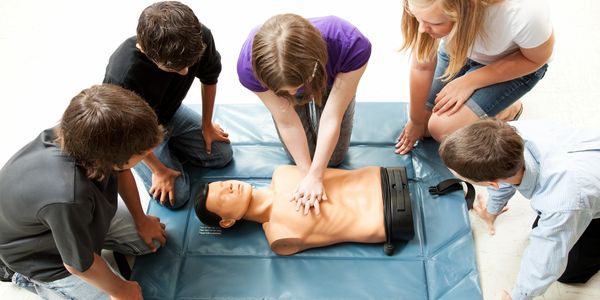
451	98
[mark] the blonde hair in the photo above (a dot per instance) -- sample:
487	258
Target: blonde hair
467	16
288	51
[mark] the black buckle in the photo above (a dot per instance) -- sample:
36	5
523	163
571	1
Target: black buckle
451	185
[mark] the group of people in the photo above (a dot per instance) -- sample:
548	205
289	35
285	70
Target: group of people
470	60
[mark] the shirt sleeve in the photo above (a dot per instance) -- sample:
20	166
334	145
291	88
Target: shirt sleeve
532	25
68	223
499	197
210	62
545	259
357	49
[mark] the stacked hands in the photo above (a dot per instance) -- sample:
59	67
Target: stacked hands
309	192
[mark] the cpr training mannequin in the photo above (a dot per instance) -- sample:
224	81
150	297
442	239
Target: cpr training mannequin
354	211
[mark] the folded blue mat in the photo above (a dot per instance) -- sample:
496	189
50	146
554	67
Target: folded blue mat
203	262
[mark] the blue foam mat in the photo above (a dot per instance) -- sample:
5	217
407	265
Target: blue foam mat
202	262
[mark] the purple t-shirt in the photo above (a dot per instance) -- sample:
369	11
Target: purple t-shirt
347	50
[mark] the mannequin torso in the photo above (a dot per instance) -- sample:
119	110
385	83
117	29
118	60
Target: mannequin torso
352	213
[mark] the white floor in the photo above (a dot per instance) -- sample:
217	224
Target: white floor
50	50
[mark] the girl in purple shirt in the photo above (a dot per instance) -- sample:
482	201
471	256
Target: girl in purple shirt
313	66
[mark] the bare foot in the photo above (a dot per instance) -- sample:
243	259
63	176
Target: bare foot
511	113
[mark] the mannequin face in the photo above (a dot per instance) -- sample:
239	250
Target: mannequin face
432	19
229	199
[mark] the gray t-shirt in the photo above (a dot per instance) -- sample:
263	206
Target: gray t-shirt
50	212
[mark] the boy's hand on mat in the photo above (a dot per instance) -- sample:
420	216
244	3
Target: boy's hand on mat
481	209
131	290
452	97
163	185
214	133
408	138
506	296
149	229
308	193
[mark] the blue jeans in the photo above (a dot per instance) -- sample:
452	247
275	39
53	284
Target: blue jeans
489	100
122	237
184	143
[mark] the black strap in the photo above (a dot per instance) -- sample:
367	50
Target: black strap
396	207
123	265
451	185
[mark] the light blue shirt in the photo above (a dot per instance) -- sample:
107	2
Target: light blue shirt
562	180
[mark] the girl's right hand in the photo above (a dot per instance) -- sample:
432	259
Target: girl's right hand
409	137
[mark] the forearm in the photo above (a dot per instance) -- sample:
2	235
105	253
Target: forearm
155	165
294	139
329	132
100	276
513	66
129	194
420	85
545	258
498	198
209	93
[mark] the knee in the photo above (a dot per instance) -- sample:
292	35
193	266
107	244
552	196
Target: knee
223	154
437	129
441	127
181	194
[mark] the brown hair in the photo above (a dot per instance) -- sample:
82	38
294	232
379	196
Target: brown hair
468	17
486	150
289	51
104	126
170	34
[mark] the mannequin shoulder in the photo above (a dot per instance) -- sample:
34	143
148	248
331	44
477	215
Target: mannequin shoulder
281	239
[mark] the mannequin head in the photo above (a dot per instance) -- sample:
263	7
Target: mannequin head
223	202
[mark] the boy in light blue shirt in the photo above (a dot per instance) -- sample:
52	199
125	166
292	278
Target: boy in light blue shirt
558	169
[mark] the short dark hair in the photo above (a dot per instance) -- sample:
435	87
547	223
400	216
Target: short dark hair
170	35
105	125
486	150
204	215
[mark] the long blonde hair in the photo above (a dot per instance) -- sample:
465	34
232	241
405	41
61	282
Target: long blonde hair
468	17
289	51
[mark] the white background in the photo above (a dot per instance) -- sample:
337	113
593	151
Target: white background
50	50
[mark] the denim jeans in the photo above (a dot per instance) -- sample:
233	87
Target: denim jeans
489	100
310	115
122	237
184	143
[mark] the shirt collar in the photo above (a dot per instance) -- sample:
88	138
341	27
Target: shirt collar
531	172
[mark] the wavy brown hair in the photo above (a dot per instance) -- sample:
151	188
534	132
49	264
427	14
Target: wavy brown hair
486	150
170	34
468	17
104	126
288	51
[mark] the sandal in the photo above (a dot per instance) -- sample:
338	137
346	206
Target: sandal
518	115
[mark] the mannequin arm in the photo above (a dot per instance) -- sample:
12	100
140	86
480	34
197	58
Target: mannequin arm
280	240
